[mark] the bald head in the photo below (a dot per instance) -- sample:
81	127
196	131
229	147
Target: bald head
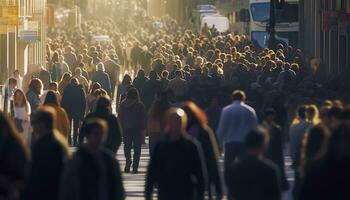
176	122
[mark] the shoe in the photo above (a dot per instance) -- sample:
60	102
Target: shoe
135	171
127	170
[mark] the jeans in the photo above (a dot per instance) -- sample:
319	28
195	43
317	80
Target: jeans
132	140
232	151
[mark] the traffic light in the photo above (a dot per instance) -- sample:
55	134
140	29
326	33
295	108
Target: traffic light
280	4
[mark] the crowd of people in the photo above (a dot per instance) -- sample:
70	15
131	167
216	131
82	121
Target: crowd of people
194	94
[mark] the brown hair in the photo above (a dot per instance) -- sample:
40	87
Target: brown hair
36	85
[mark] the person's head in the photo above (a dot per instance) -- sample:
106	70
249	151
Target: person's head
256	141
78	71
74	81
12	82
270	115
104	105
66	77
178	74
95	133
195	115
141	73
301	113
153	75
132	94
36	85
55	57
94	87
19	98
176	122
332	119
126	80
165	74
53	86
238	95
16	73
43	121
100	67
51	99
312	114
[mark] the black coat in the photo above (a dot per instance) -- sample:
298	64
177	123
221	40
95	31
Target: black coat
177	169
102	78
253	178
48	159
74	101
149	90
92	178
114	137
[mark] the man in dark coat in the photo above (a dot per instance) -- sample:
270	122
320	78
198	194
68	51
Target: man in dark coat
93	172
177	166
48	158
150	88
70	58
103	111
74	102
275	150
253	177
113	70
133	119
102	78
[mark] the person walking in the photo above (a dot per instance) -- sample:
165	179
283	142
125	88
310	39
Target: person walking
113	71
102	78
177	165
22	111
49	155
178	86
197	127
74	102
253	177
133	119
62	119
93	172
114	134
122	89
155	119
150	89
64	82
33	94
14	159
236	121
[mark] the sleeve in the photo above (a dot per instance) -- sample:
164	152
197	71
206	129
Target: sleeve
222	129
152	173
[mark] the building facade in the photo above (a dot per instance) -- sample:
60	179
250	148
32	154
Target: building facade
324	33
22	35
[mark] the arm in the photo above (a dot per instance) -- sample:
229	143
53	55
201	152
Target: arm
222	129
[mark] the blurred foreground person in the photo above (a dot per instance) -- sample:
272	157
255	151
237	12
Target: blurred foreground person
155	120
198	128
14	159
177	166
93	173
62	120
328	177
104	111
48	157
253	177
74	102
133	119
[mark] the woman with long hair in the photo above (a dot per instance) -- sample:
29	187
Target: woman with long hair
22	111
198	128
62	120
14	159
155	122
91	98
64	82
34	92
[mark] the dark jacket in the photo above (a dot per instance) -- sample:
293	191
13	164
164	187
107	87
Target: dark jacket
253	178
92	178
102	78
139	82
132	115
48	158
149	90
74	101
177	169
114	137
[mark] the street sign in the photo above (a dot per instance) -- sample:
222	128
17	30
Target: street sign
29	36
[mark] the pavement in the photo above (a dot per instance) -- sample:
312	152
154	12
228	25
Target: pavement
134	183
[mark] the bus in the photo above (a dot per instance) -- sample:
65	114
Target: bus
287	22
